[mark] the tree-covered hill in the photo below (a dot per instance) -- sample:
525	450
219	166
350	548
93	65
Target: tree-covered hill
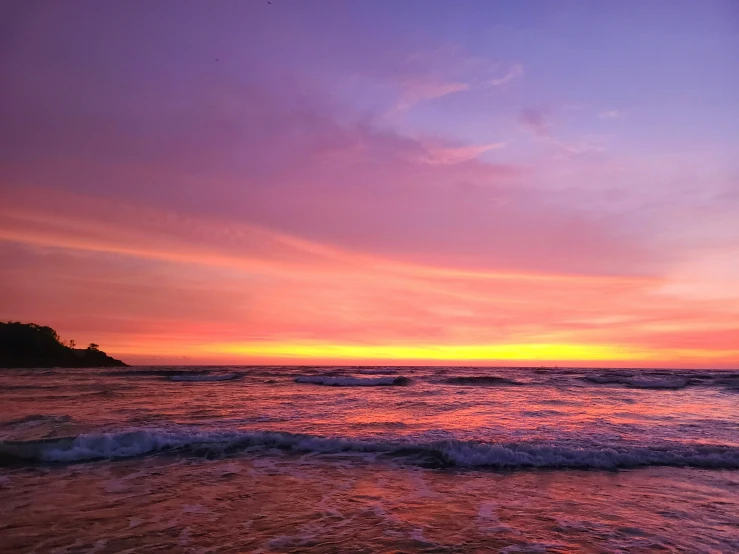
31	345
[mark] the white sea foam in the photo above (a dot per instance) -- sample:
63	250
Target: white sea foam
331	381
436	453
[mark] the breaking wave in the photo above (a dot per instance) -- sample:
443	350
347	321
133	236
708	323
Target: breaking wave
338	381
640	382
446	453
667	380
378	371
37	418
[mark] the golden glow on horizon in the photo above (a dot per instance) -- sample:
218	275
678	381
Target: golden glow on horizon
530	352
428	352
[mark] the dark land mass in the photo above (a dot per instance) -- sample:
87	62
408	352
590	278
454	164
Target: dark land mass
31	345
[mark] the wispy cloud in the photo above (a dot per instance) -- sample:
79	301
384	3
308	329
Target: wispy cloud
458	154
515	72
611	114
419	91
133	254
536	121
585	146
539	123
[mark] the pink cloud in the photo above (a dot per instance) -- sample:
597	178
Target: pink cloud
539	123
439	155
147	280
515	72
415	91
293	165
612	114
535	120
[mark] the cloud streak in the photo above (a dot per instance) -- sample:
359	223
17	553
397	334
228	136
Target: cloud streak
416	91
536	120
450	155
611	114
236	292
515	72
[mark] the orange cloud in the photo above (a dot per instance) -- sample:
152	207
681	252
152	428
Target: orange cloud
158	285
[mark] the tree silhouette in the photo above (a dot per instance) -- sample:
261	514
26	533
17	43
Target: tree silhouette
31	345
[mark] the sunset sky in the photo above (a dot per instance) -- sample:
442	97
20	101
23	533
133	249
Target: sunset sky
503	183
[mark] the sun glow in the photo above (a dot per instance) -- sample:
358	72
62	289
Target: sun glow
429	352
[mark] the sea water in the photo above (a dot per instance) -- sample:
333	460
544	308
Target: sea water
368	459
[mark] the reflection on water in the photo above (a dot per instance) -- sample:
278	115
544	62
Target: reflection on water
246	459
304	504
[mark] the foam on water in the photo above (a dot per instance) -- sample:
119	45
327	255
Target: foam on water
439	453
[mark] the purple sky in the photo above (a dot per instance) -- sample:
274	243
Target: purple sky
580	138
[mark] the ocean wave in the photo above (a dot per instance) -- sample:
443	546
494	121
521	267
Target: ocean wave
331	381
35	419
481	380
730	382
441	453
640	382
204	378
153	372
35	426
377	371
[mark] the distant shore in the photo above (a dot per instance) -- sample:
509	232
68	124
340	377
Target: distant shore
28	345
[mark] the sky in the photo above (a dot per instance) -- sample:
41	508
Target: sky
416	182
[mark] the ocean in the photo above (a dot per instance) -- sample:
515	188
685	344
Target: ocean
360	459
